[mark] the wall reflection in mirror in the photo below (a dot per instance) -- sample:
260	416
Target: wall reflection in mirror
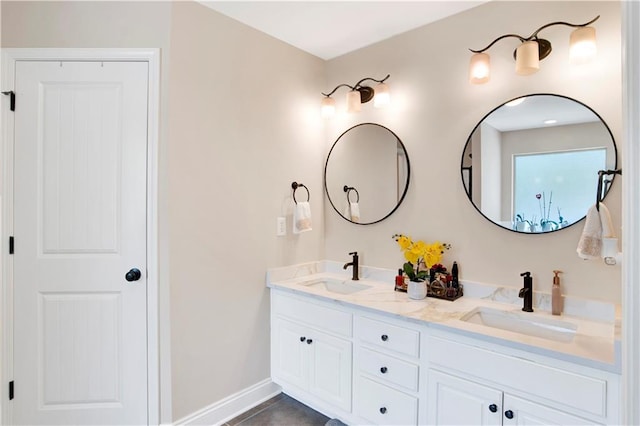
367	173
531	165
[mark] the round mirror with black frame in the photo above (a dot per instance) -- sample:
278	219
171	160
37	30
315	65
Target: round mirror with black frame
531	164
366	175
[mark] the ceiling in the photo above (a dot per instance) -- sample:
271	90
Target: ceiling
328	29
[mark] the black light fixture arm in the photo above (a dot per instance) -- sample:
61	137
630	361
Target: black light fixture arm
356	86
534	36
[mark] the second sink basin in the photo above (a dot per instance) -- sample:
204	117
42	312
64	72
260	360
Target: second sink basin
336	286
547	328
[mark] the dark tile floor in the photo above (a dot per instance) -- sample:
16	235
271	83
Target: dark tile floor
281	410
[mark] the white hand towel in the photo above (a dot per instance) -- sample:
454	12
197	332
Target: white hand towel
607	224
302	217
354	212
590	244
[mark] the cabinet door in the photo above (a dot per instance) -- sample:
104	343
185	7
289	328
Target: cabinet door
456	401
330	369
518	411
290	354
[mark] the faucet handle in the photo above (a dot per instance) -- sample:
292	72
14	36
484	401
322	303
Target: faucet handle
354	253
525	274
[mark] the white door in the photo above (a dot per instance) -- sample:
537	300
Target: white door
330	369
80	328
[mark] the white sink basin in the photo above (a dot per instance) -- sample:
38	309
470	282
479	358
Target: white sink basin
336	286
524	323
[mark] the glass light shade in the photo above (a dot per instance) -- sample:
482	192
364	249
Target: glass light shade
353	101
582	45
479	70
328	107
382	96
527	58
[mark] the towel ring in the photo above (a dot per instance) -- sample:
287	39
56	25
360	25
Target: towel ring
348	190
601	183
295	186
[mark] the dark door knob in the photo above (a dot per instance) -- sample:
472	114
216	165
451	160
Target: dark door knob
383	410
309	341
384	337
493	408
383	370
133	275
302	338
508	414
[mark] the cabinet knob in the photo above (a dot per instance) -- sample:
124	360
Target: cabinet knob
309	341
383	410
493	408
384	337
383	370
302	338
508	414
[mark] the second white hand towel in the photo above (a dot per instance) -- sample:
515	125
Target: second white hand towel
590	244
354	212
302	217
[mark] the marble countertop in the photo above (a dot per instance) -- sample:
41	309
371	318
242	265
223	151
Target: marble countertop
596	342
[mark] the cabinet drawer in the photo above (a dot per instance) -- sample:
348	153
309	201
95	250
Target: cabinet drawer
317	315
388	368
388	336
382	405
565	388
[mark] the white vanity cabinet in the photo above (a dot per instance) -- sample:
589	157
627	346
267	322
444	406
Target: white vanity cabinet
386	371
311	350
475	385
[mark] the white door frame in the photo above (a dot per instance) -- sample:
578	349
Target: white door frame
631	206
9	58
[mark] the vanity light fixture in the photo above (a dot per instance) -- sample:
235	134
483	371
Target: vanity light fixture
357	95
582	48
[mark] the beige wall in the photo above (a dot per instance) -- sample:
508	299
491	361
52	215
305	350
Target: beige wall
435	109
243	125
239	123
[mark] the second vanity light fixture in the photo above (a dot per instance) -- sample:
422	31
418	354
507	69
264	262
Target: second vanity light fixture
582	48
358	95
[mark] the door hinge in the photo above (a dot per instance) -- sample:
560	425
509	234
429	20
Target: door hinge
11	390
12	101
11	245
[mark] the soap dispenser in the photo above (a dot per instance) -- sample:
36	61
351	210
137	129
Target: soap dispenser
556	295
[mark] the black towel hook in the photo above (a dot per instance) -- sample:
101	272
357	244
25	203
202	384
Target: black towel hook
348	190
295	186
601	182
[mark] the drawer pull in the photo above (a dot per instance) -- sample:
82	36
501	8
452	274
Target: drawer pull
384	337
309	341
383	370
302	338
508	414
383	410
493	408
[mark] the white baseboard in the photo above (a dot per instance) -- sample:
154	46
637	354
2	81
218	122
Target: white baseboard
233	405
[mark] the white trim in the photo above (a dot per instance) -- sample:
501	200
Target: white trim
154	316
631	207
233	405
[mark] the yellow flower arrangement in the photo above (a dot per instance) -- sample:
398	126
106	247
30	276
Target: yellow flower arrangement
420	256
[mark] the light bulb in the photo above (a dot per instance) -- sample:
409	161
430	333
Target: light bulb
353	101
382	96
582	45
479	70
527	58
328	107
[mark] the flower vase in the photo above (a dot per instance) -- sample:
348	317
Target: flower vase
417	290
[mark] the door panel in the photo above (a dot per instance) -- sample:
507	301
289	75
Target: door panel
80	224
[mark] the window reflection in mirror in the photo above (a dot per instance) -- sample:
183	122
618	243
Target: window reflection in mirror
532	166
366	173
